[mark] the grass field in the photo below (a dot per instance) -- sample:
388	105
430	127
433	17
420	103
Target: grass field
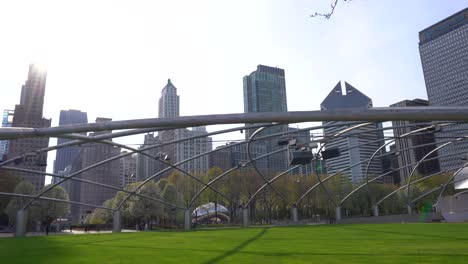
379	243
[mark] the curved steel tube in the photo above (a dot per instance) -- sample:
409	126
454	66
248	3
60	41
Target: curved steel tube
268	183
423	158
91	182
54	200
113	158
164	162
227	172
449	180
212	151
433	190
393	140
320	183
352	165
376	114
249	154
384	174
79	142
406	185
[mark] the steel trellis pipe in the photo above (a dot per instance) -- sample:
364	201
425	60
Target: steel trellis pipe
54	200
393	140
386	173
449	180
423	158
162	161
434	190
209	152
404	186
227	172
110	159
90	182
268	183
377	114
255	166
352	165
320	183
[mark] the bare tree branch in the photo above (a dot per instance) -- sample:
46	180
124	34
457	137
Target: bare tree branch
329	14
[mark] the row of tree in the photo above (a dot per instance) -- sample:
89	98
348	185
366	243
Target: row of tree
236	188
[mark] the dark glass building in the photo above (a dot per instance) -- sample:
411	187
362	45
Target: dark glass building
265	91
412	149
29	114
66	156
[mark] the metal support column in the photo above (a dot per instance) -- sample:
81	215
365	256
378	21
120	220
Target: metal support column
375	208
21	223
338	213
410	210
187	220
116	222
245	217
294	214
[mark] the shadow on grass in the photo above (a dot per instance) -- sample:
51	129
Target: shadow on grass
400	233
238	248
42	248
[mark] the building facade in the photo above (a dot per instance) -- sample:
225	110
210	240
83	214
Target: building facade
169	101
359	144
443	48
169	107
7	121
412	149
265	91
146	166
29	114
191	148
65	156
128	169
109	173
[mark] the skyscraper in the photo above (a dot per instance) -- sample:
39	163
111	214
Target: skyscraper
66	156
169	101
169	107
128	167
108	173
408	156
7	121
443	48
29	114
357	147
146	166
265	91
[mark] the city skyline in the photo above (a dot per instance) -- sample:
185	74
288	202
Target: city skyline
94	80
311	66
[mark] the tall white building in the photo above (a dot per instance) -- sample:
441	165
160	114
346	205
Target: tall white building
169	107
169	101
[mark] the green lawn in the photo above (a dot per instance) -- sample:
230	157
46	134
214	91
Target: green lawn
385	243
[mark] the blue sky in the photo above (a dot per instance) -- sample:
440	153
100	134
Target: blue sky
112	58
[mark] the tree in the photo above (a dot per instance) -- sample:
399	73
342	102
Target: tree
16	203
47	211
171	195
330	13
101	216
144	209
8	183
